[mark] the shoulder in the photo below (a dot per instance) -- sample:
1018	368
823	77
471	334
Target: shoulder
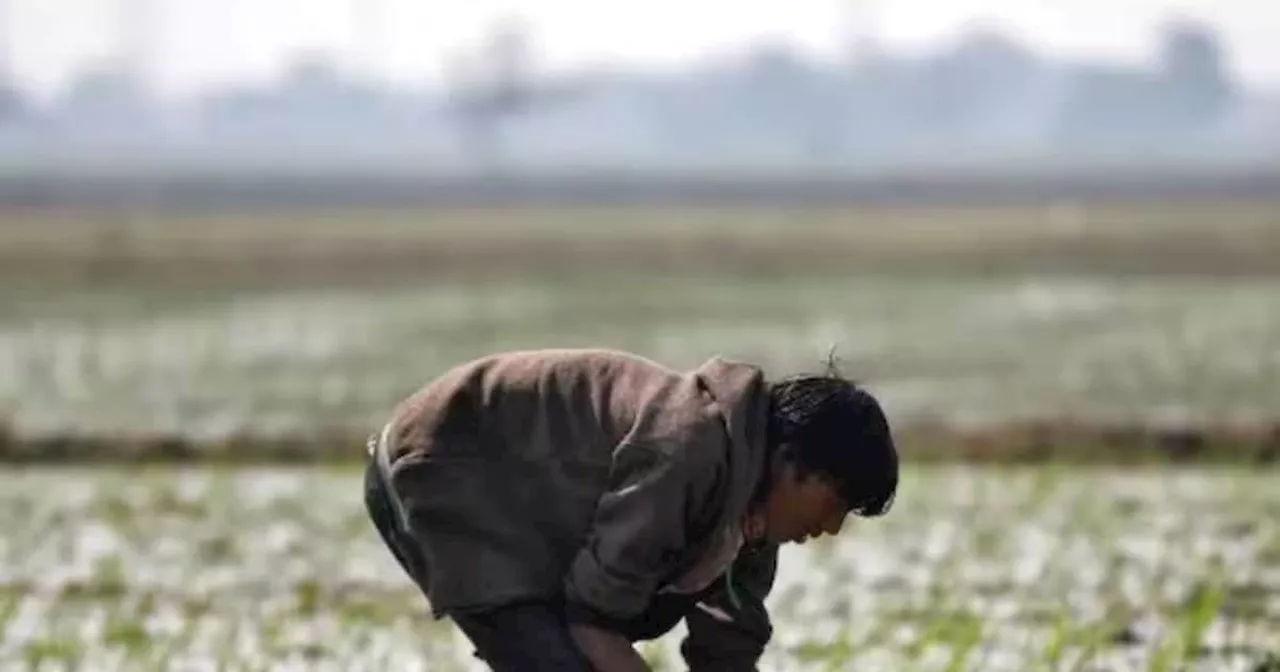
662	408
517	369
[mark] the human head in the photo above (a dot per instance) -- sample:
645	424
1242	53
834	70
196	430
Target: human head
833	454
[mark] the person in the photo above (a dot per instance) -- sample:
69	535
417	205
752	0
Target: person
562	505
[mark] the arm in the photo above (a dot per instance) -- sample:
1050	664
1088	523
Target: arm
715	644
640	532
607	651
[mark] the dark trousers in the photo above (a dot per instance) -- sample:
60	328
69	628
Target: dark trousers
532	636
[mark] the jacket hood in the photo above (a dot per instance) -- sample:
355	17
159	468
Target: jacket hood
741	394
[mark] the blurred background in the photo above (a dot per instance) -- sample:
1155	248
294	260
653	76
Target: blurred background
239	232
827	86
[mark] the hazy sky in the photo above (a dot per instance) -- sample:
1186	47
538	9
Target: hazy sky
210	41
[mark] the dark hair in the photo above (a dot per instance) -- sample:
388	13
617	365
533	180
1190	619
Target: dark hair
829	426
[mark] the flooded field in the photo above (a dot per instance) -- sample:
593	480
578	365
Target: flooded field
278	323
967	349
208	329
975	569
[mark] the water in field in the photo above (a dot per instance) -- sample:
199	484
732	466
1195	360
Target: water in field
975	569
970	348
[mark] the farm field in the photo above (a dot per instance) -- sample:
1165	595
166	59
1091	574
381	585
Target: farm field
278	323
972	350
353	247
117	328
975	569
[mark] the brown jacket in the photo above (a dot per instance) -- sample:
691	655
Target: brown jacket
595	476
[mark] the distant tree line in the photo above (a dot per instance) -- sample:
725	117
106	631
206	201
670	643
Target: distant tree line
986	97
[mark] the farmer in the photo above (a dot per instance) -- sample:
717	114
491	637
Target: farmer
560	505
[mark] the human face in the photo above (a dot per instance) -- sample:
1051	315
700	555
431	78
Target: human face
802	508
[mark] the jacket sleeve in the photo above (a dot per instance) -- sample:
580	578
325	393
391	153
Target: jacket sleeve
640	532
729	626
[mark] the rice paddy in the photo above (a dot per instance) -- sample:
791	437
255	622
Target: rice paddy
980	350
312	326
975	569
